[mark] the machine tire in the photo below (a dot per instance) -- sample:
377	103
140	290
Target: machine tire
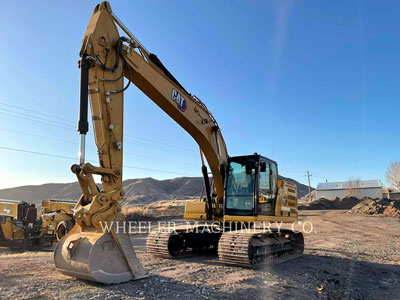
63	228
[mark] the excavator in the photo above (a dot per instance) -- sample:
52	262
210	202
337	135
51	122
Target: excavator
243	190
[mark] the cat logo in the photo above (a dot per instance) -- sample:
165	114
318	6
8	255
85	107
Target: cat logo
179	100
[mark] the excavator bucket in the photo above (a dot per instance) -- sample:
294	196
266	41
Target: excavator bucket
102	257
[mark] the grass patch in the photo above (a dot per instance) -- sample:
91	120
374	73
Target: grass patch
138	214
156	210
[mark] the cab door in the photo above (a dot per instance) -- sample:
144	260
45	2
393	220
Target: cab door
267	188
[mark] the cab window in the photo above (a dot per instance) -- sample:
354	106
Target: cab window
274	178
240	189
265	181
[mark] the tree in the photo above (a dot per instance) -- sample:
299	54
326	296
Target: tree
393	175
353	188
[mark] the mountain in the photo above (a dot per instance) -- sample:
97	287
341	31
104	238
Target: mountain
138	191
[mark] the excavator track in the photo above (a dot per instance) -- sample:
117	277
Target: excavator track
157	243
249	248
182	241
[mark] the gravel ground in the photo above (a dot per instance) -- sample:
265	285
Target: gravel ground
346	257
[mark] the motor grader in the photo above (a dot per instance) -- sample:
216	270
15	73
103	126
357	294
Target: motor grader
243	189
20	228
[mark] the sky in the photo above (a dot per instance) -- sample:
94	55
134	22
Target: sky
313	85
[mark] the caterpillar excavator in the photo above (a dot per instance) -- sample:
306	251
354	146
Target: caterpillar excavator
243	189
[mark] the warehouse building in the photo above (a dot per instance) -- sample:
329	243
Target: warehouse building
351	188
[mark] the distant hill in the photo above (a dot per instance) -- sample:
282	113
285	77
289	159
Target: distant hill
142	190
302	189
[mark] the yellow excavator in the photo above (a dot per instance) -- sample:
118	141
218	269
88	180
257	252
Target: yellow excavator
243	189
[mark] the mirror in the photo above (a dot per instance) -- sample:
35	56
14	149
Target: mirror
263	166
250	165
248	169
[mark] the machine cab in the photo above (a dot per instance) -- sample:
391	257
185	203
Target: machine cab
251	186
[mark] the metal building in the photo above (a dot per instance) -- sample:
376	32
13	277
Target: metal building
351	188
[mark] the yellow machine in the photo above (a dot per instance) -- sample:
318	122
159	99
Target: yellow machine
243	188
19	227
58	216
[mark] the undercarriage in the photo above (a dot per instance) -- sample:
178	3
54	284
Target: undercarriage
235	246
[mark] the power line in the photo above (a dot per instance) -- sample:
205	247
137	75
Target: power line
47	123
38	153
64	126
69	128
71	121
155	170
39	118
158	148
75	143
157	142
36	112
74	158
125	152
40	136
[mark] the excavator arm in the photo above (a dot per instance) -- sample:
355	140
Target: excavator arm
106	58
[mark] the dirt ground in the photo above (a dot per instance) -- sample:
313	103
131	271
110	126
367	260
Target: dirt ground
346	257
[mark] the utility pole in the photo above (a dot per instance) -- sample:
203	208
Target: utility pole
309	185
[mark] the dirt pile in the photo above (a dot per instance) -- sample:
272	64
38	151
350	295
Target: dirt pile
322	204
378	207
365	206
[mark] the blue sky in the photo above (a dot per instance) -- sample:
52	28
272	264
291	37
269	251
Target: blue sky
311	84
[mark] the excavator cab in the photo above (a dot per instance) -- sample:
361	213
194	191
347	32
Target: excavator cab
252	192
251	186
